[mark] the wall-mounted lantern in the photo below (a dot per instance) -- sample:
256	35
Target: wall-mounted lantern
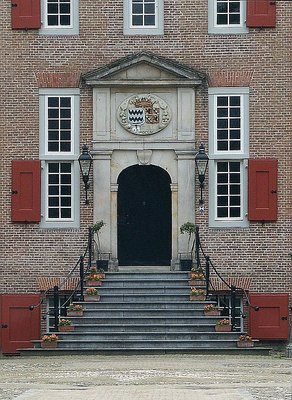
201	160
85	163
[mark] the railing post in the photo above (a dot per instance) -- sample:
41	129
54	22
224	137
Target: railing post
81	274
207	274
56	308
233	292
197	238
89	247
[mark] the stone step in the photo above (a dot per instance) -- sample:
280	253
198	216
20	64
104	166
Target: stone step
138	313
144	344
146	320
139	290
212	350
162	305
145	297
143	275
172	328
136	336
128	283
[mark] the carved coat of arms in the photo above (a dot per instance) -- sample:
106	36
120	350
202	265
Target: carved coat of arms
144	114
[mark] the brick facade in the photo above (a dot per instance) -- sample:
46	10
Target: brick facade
260	59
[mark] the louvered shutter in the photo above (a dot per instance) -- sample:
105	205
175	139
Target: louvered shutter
262	190
25	14
26	188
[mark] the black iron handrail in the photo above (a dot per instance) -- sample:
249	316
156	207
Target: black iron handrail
80	283
206	273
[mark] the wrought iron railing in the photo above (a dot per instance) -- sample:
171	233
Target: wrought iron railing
79	287
210	268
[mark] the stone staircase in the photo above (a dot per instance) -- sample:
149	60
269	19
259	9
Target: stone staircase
144	312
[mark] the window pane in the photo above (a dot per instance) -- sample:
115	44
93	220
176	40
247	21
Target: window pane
53	101
137	9
222	178
234	19
137	20
222	101
222	167
222	146
149	20
65	102
222	212
234	100
234	145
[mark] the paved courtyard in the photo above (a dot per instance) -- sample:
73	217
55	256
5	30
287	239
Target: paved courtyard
146	377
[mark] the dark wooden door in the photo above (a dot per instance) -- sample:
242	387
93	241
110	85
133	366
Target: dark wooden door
19	324
144	216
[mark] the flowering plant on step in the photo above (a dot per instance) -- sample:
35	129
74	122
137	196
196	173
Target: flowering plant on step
50	338
75	307
196	275
65	322
245	338
223	322
91	291
210	308
94	277
197	292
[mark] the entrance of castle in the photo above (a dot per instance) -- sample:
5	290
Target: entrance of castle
144	216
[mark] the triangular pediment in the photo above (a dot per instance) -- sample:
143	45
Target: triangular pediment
144	68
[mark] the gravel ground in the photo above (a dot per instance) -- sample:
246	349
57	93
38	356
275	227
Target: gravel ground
259	377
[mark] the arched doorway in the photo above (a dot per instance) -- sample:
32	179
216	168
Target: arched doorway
144	216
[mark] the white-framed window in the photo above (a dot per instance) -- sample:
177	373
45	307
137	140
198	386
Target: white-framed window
228	152
59	151
227	16
60	17
143	17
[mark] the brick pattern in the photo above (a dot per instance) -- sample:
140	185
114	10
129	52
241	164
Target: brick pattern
260	59
230	78
57	80
218	285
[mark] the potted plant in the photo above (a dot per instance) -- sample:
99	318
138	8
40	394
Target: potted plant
49	341
97	271
211	310
65	325
93	280
197	294
186	259
75	310
245	341
223	325
91	294
196	277
102	259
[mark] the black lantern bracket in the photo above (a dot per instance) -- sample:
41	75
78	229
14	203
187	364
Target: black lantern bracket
85	162
201	160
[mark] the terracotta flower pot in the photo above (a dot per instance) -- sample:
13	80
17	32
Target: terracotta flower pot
197	282
66	328
74	313
197	298
49	345
214	313
223	328
245	344
92	283
91	298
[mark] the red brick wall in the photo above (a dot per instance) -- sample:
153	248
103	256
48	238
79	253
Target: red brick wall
261	58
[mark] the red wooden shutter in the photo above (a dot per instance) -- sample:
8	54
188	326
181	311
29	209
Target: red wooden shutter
26	188
20	324
261	13
262	190
271	321
25	14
